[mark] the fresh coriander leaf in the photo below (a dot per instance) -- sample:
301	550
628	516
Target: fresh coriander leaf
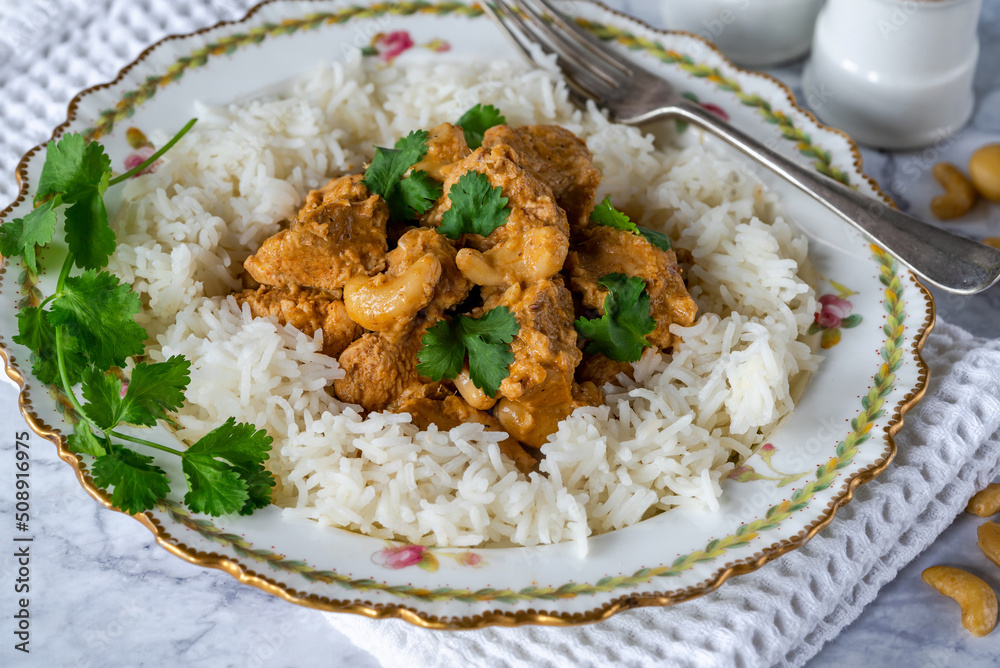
476	121
486	340
72	166
496	326
416	194
658	239
605	214
259	483
137	481
155	389
36	333
442	351
620	334
213	486
413	146
488	364
98	310
152	390
83	441
78	172
21	235
88	234
103	392
385	175
240	444
243	486
476	207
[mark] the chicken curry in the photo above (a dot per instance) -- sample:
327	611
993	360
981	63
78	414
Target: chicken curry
492	261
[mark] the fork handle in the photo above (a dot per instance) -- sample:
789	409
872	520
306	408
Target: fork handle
951	262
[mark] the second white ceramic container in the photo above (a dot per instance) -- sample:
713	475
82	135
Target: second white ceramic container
753	33
894	73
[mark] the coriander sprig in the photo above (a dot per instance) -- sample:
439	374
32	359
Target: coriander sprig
485	340
407	197
607	215
476	207
620	334
476	121
86	330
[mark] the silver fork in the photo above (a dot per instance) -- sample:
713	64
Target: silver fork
634	95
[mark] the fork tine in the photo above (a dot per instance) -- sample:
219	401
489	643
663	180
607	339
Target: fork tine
568	49
496	12
586	40
522	36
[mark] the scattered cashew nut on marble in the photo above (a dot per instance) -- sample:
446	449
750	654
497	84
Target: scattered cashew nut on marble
976	599
989	540
382	302
985	502
959	194
984	168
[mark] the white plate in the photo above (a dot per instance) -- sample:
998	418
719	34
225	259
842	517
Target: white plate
840	435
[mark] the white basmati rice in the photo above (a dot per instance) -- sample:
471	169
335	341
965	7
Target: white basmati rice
662	440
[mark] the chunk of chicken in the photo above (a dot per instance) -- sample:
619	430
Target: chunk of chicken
306	309
559	159
601	371
381	371
532	420
605	250
531	245
451	412
338	233
445	146
538	392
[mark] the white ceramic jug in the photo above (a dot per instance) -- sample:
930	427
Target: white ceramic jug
894	73
753	33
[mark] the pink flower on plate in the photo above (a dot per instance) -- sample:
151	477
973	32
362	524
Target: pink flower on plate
390	45
715	109
141	155
833	312
438	46
403	556
469	559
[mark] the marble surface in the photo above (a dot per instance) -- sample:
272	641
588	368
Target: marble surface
103	593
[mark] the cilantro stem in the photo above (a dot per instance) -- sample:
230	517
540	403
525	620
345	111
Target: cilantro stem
64	274
153	158
142	441
60	356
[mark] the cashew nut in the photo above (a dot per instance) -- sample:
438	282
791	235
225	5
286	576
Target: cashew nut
381	303
976	599
959	195
989	540
984	168
539	254
985	502
473	396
